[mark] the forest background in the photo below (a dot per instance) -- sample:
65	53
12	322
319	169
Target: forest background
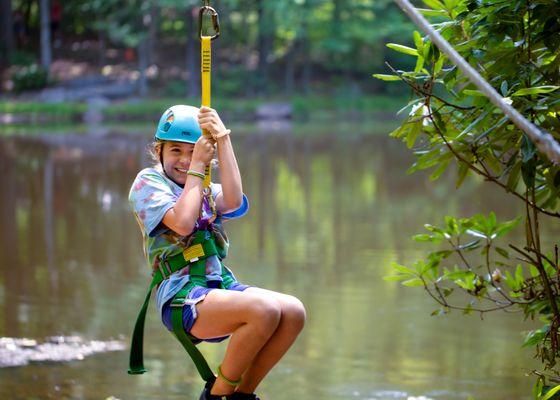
315	54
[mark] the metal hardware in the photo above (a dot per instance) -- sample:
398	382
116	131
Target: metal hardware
206	9
164	263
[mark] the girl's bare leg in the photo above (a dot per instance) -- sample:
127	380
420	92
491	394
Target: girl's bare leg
251	317
292	319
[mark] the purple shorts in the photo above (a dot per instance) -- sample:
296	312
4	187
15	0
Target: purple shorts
195	296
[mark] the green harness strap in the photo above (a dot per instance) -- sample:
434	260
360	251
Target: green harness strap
201	239
179	331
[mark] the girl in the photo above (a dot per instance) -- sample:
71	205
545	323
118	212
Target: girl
175	214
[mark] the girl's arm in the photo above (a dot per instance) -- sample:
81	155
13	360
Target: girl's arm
231	197
182	217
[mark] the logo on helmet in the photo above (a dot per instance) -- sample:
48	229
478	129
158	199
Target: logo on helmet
168	120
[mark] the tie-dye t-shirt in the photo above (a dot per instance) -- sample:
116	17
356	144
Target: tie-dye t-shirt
152	194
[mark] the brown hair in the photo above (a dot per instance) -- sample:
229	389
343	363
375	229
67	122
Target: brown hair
154	150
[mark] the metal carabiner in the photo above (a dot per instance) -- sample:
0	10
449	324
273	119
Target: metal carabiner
215	20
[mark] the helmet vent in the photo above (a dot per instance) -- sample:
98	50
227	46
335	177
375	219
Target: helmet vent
168	120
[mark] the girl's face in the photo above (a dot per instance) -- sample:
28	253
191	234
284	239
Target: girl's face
177	159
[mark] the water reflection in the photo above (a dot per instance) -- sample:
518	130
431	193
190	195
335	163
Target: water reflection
328	215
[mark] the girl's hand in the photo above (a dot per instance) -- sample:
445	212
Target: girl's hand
209	120
203	152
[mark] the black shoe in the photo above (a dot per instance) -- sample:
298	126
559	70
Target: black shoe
205	395
242	396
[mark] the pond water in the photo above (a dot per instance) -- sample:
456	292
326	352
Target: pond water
328	216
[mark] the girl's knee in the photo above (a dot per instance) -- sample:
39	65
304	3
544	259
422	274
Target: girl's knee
266	313
294	312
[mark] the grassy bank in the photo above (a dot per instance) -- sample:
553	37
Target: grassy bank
304	108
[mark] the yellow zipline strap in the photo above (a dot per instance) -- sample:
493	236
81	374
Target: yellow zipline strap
206	68
205	73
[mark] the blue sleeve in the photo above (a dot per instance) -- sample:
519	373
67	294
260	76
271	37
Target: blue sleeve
241	211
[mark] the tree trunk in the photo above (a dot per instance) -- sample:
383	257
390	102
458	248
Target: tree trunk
264	43
152	33
46	52
142	65
291	67
102	37
192	56
7	42
306	59
305	50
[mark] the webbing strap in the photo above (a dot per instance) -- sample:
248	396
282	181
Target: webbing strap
205	74
178	330
136	362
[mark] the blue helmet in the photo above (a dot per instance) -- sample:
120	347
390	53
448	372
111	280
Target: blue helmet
179	124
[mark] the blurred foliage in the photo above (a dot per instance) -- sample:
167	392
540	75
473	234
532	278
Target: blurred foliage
29	77
307	41
22	58
514	45
11	107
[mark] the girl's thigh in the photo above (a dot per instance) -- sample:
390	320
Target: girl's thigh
291	307
224	311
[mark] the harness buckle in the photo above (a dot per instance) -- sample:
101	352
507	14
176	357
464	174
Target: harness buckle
164	264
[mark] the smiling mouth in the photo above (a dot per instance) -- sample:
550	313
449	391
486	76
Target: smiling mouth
184	171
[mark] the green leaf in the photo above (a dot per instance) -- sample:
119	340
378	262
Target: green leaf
504	88
502	252
537	388
423	237
528	149
476	93
440	169
388	78
476	233
551	393
400	131
395	278
419	64
462	173
507	226
402	269
418	41
535	337
439	64
528	172
402	49
535	90
432	13
413	282
434	4
513	177
519	278
468	309
415	130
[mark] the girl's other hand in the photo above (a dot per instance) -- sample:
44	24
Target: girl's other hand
203	151
209	120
